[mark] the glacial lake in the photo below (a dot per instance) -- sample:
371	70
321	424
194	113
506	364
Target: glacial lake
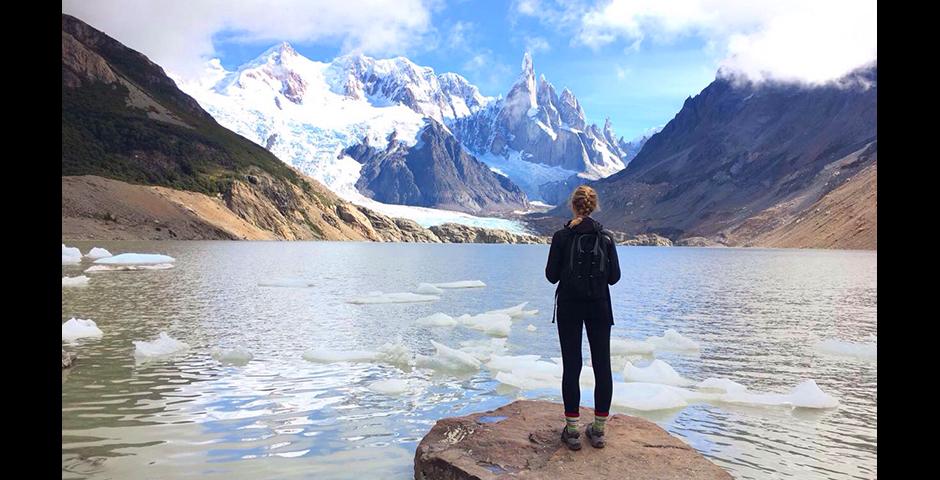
757	314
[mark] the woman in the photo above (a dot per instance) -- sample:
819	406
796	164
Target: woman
583	261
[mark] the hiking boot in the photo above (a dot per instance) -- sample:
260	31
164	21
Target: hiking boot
595	438
571	440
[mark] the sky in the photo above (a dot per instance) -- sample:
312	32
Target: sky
633	61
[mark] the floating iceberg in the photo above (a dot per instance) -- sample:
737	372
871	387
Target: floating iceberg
394	354
163	346
127	268
71	255
531	328
647	396
805	395
379	297
286	282
515	312
527	383
721	384
494	324
136	259
483	350
428	289
79	281
96	253
448	359
673	340
237	355
505	363
657	371
395	386
461	284
839	348
437	320
626	346
76	328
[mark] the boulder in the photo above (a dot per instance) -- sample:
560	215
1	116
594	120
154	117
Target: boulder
697	242
522	440
648	240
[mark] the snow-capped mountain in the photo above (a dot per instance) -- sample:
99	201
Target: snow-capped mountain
534	125
307	112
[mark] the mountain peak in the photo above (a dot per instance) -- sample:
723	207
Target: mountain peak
528	71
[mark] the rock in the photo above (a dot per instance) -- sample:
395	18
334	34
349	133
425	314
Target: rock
67	358
456	233
522	440
647	240
696	242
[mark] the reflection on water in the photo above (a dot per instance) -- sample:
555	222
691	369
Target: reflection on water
756	313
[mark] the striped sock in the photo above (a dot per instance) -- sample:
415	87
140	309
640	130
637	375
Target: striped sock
600	419
571	422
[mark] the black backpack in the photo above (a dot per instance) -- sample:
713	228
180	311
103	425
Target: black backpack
586	266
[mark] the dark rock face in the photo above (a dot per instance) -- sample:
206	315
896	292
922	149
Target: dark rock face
737	150
437	172
522	440
456	233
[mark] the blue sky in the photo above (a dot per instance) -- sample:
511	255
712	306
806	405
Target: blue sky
484	41
634	61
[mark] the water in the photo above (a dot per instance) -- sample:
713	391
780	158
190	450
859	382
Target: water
756	313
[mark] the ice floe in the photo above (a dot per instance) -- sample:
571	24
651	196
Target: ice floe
237	355
163	346
460	284
531	328
721	384
391	353
76	328
127	268
136	259
657	371
396	386
428	289
402	297
626	346
514	312
840	348
647	396
95	253
79	281
673	340
437	320
494	324
71	255
448	359
483	350
804	395
286	282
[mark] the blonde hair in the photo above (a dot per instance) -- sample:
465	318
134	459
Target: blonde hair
583	203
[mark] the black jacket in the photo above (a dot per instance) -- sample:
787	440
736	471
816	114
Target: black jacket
556	256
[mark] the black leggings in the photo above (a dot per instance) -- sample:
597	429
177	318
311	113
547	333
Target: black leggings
598	333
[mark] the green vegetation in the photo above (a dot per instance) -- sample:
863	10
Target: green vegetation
102	135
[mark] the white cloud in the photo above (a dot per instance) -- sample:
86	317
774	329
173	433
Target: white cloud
537	44
177	34
810	41
460	35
